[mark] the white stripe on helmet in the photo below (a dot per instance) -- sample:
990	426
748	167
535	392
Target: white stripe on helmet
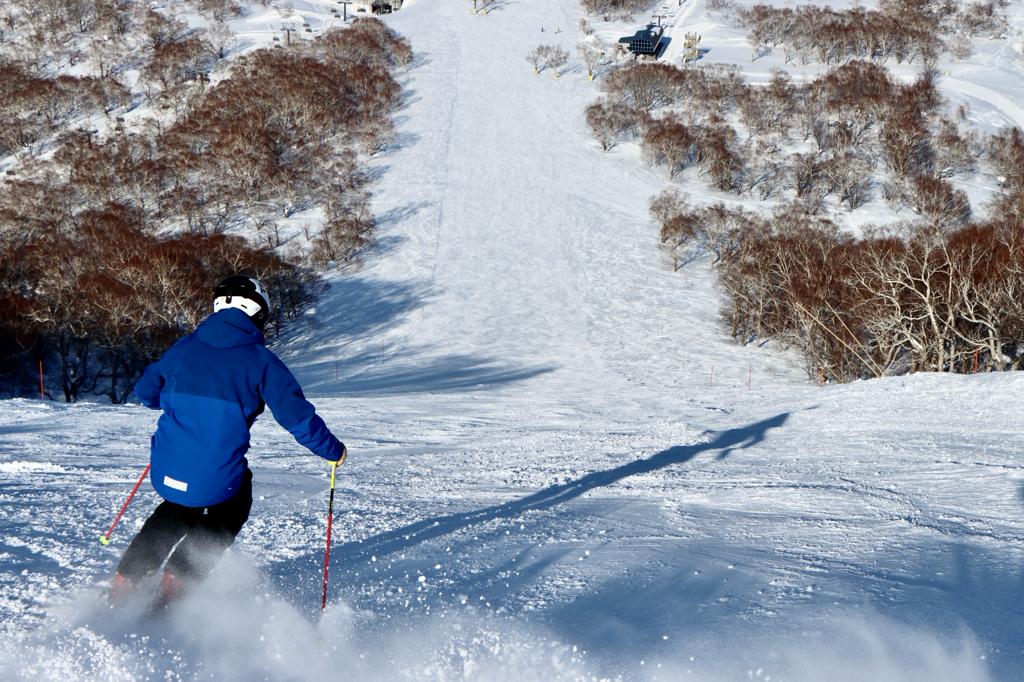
247	306
262	292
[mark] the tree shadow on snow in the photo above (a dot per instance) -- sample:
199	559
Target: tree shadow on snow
34	426
390	370
498	5
356	305
364	563
725	442
402	140
351	353
399	213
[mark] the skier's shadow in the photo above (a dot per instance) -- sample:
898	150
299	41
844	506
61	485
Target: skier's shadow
407	536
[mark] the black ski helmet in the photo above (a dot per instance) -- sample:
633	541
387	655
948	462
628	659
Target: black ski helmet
246	294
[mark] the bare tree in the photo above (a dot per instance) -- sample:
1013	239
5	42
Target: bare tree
670	142
592	57
611	122
557	58
538	58
646	86
222	38
765	172
954	150
161	29
939	202
618	8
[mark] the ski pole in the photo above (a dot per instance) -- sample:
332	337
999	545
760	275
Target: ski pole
105	538
330	522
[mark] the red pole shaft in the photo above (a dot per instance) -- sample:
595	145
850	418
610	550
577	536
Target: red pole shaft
330	523
42	396
327	552
105	538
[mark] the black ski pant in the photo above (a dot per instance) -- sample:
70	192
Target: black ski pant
200	533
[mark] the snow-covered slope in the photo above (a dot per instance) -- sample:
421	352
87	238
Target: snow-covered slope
561	468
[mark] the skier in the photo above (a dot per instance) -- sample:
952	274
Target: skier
211	386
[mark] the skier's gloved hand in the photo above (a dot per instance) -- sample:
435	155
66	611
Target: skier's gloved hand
344	454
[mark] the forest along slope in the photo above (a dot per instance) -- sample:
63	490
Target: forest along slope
560	466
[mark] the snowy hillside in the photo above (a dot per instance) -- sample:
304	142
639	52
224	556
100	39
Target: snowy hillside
561	467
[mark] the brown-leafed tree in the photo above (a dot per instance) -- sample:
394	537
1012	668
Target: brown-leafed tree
669	142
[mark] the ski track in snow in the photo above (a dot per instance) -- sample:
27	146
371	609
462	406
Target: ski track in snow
560	469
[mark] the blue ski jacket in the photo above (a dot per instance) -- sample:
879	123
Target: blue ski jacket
211	386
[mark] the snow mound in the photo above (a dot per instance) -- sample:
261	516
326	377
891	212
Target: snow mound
31	468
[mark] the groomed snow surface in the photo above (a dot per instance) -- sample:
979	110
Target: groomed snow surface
561	467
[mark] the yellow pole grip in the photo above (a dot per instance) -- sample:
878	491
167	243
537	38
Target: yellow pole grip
335	465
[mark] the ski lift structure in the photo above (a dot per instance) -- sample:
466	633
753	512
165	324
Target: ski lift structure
377	6
645	43
691	47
